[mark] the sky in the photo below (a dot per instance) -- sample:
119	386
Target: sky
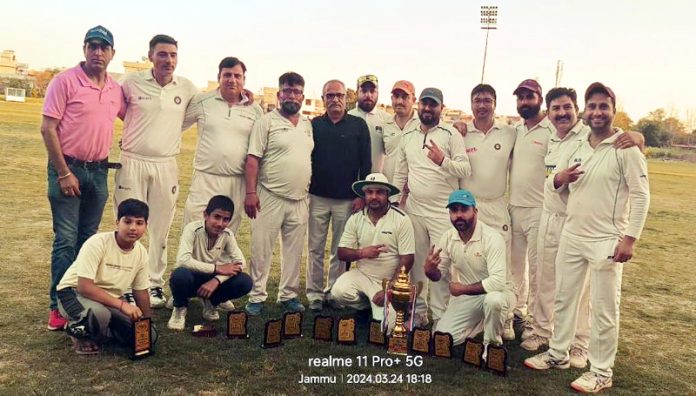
643	49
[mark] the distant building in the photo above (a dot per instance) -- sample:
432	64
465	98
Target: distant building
212	86
131	67
312	107
267	98
9	64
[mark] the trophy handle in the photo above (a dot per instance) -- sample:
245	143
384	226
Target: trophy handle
385	284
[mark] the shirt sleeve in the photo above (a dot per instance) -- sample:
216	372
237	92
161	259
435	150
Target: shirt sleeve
90	257
494	251
406	241
56	98
258	140
142	277
194	113
349	238
458	165
232	254
635	169
184	257
401	170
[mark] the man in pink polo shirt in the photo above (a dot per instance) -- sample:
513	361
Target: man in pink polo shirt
78	124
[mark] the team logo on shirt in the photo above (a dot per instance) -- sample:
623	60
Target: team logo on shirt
173	189
177	100
505	227
497	146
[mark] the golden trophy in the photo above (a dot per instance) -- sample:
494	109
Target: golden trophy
401	294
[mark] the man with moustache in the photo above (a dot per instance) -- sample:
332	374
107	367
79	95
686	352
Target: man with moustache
472	255
368	93
403	98
608	202
156	102
432	157
341	156
277	174
379	239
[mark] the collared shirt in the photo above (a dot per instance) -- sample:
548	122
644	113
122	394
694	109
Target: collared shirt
285	151
555	202
194	253
86	113
112	269
391	138
341	156
481	259
375	121
430	184
223	132
394	230
489	154
154	114
528	171
611	198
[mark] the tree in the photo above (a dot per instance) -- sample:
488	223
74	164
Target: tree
622	120
351	99
18	83
659	129
42	79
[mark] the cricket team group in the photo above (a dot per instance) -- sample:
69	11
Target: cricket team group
527	225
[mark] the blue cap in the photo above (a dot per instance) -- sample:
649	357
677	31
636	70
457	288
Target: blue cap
101	33
464	197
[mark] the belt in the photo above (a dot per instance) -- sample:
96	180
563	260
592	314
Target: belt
105	164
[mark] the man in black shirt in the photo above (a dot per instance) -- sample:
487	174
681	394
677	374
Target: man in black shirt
341	156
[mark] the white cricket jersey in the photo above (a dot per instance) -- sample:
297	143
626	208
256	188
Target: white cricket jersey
223	132
394	230
430	184
612	197
285	151
527	172
489	154
375	122
152	126
391	138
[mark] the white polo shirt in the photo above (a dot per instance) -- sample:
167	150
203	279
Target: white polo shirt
556	202
194	253
527	172
489	154
481	259
391	138
430	184
394	230
376	119
152	126
612	197
285	151
223	132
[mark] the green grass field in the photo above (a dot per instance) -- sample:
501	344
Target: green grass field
656	351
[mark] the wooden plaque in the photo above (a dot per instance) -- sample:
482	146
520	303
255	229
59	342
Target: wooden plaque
292	325
347	331
237	324
272	334
473	353
323	328
420	341
204	330
442	344
376	335
142	339
398	345
496	359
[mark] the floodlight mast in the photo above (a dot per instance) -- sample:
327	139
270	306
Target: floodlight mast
489	20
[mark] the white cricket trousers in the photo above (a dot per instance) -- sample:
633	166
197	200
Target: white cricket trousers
155	181
289	218
322	211
355	289
205	186
575	258
467	315
428	231
523	256
550	227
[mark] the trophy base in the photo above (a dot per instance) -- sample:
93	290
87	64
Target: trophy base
398	346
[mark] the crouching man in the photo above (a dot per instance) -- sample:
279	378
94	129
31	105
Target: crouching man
379	239
471	257
209	265
108	264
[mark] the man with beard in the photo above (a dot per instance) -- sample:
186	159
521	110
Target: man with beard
277	173
368	93
472	255
596	238
156	102
379	239
405	118
432	157
341	156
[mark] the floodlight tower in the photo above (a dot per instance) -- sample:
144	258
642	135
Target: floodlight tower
489	19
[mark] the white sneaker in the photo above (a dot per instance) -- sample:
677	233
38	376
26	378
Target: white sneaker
226	306
420	320
508	331
545	361
578	357
209	312
527	333
170	303
535	342
178	319
591	382
157	298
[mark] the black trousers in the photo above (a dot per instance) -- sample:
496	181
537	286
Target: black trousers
184	284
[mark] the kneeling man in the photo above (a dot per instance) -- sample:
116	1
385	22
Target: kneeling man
209	264
379	239
471	257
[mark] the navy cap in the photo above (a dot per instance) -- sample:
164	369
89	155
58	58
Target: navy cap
432	93
101	33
